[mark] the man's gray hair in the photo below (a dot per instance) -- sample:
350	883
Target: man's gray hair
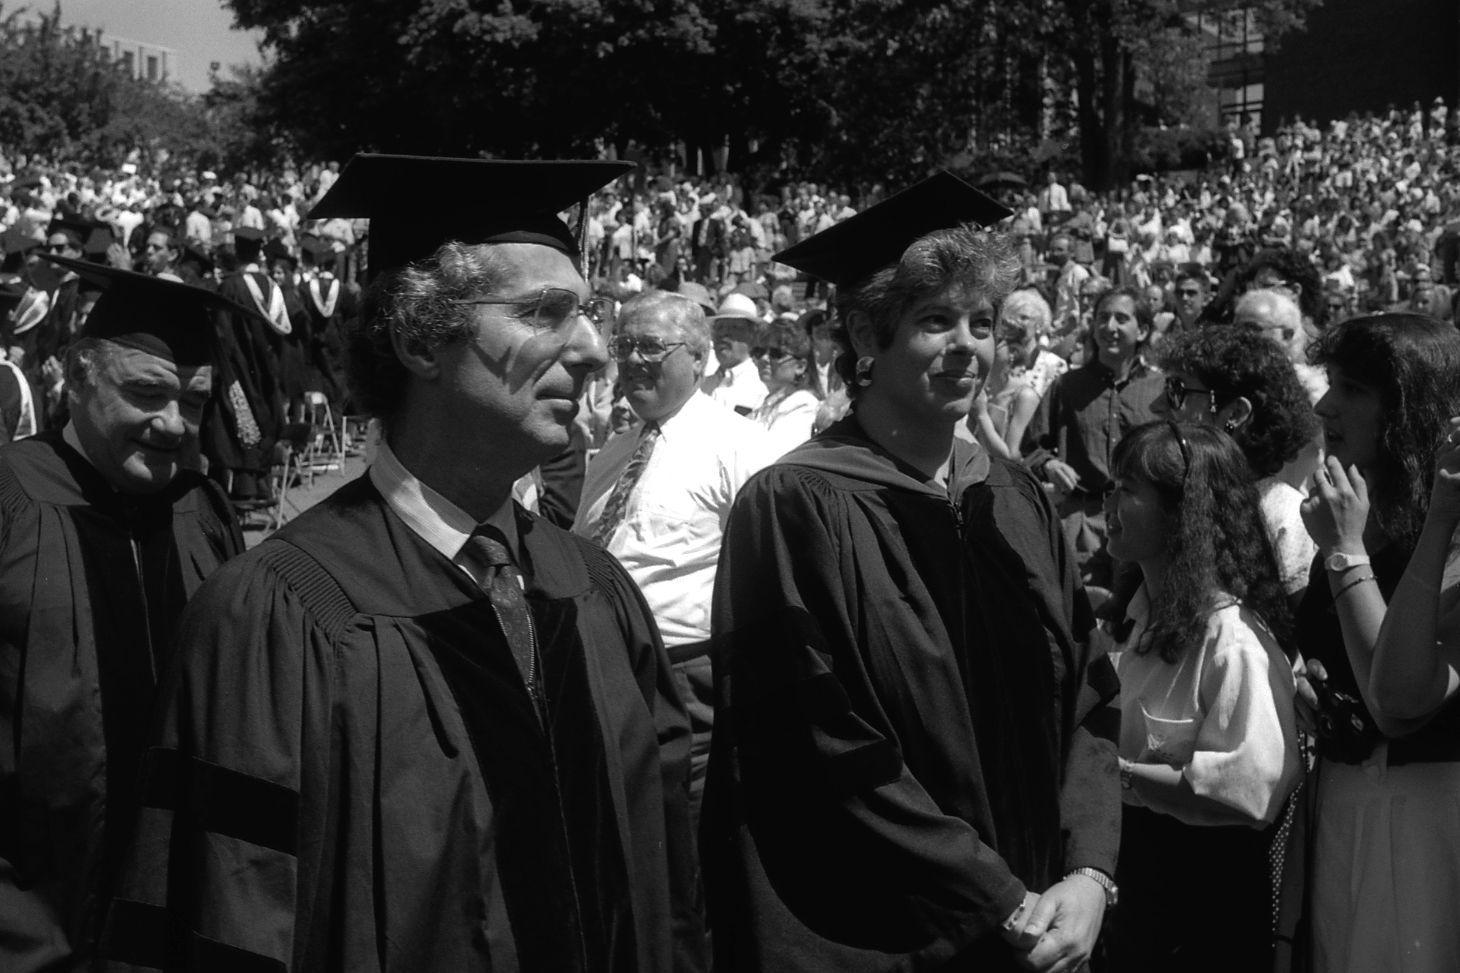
1278	306
687	316
417	303
84	358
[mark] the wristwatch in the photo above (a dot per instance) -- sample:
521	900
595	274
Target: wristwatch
1112	891
1339	561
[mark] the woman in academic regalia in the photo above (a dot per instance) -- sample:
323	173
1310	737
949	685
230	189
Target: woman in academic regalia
913	764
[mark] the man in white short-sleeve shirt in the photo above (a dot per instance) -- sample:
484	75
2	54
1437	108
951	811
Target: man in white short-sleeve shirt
658	494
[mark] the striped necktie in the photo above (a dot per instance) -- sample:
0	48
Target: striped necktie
618	500
503	584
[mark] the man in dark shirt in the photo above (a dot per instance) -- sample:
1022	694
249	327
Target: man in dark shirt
1084	415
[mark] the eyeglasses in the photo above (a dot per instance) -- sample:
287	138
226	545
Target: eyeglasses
650	348
774	354
1177	391
1188	292
554	309
1185	448
56	247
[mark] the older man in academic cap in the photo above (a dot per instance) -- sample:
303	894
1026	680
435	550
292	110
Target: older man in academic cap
422	729
108	529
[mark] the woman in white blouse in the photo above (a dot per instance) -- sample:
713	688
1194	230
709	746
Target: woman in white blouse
783	353
1230	378
1208	744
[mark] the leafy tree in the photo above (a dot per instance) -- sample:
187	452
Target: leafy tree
62	99
1110	42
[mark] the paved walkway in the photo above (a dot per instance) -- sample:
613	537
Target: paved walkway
302	497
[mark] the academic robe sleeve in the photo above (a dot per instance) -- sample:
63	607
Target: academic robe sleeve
657	685
850	841
1090	805
212	878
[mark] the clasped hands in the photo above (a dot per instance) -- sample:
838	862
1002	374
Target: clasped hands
1057	930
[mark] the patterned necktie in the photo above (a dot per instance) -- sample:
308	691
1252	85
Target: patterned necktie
618	500
503	584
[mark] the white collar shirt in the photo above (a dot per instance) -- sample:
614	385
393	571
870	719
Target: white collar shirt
433	518
669	538
738	387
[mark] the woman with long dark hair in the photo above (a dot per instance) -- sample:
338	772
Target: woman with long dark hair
1208	748
1386	871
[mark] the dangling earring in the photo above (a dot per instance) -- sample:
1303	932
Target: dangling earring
864	370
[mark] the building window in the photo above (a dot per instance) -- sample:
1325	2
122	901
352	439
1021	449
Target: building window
151	67
130	61
1234	46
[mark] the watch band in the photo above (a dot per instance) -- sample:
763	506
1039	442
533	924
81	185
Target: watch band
1339	561
1112	891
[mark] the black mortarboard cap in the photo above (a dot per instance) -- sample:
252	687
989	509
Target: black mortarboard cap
318	249
251	233
10	295
198	256
16	240
77	231
98	240
162	317
877	237
484	201
276	250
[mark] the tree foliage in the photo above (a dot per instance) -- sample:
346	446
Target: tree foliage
61	98
851	89
847	90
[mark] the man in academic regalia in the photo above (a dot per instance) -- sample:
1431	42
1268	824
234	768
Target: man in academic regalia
107	530
255	399
420	728
329	303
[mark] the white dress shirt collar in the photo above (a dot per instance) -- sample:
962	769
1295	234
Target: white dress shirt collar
432	517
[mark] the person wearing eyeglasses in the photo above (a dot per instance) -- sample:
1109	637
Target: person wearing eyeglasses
657	495
1208	730
786	357
1192	292
421	727
1229	377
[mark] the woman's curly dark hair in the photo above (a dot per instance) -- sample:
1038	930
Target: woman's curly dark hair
1288	264
1237	361
1217	540
1414	362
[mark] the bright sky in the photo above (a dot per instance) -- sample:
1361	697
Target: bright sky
200	31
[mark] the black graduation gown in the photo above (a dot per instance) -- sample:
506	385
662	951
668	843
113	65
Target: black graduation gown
910	728
293	363
80	642
350	774
326	344
254	356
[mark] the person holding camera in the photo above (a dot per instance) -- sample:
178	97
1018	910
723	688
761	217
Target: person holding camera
1385	876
